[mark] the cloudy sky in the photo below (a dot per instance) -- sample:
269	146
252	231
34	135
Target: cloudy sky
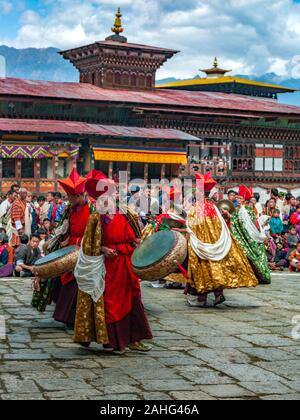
248	36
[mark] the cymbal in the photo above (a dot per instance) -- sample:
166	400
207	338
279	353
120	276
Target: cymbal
226	205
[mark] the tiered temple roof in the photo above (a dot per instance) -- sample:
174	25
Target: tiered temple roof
116	63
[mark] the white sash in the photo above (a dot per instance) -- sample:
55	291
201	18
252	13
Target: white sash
90	275
213	252
254	233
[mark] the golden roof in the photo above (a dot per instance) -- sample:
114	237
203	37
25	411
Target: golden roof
221	80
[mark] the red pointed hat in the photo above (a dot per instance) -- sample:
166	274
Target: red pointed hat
92	186
94	173
73	185
209	182
245	192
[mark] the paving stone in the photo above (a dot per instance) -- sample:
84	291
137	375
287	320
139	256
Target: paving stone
18	397
261	388
160	354
176	344
19	338
67	353
167	385
268	340
205	376
27	356
248	373
111	380
226	355
224	391
79	373
18	346
76	394
162	373
290	370
62	384
119	389
19	366
155	396
223	342
70	364
117	397
18	386
180	360
266	354
295	351
294	385
43	374
286	397
191	396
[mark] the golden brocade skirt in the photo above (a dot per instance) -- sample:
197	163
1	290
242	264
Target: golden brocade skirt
232	272
90	323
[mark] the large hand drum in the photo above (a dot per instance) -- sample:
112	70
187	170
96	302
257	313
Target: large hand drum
57	263
159	255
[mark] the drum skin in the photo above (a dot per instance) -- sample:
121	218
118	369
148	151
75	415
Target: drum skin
159	255
57	263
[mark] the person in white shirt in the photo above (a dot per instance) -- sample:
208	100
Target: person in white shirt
5	212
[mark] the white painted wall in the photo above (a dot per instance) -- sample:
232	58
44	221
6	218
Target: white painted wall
296	192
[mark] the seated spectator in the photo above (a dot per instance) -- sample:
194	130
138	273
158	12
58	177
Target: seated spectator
6	257
47	226
28	257
276	223
23	244
295	219
292	239
294	259
43	240
277	254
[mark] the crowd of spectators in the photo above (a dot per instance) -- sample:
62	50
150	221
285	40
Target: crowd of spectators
283	210
43	214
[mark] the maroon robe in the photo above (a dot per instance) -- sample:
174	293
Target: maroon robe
66	298
124	312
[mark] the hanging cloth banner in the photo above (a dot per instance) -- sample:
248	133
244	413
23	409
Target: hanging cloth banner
35	152
142	155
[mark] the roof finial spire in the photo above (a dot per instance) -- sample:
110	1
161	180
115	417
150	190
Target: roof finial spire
215	71
117	29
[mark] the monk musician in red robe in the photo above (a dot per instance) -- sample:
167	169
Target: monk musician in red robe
80	212
109	307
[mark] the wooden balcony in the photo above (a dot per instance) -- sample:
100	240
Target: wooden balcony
41	186
219	170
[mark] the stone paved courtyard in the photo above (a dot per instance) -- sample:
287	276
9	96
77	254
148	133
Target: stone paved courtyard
243	350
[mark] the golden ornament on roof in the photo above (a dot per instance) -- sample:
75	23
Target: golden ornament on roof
117	29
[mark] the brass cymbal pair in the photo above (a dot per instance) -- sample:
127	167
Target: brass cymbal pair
226	205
